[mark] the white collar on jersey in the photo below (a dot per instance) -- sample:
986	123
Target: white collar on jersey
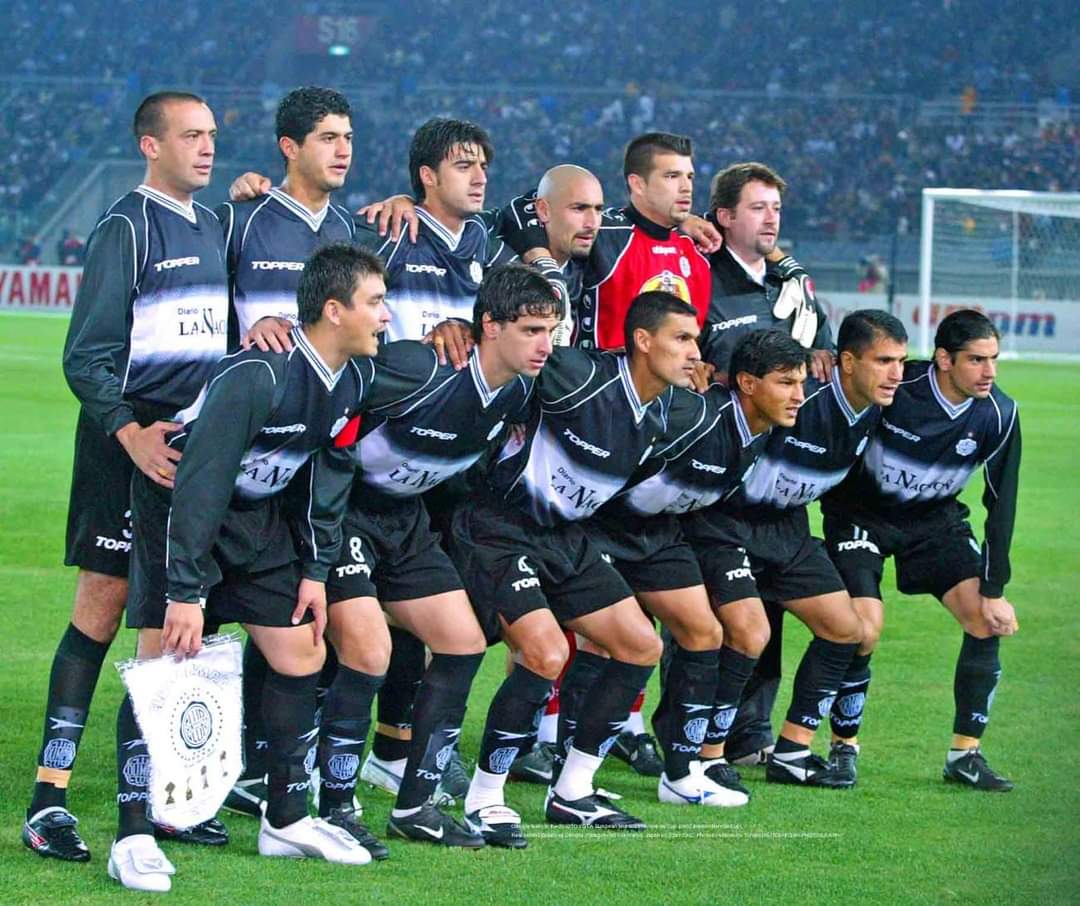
313	219
741	423
951	409
842	401
482	388
451	239
187	211
301	342
636	405
758	275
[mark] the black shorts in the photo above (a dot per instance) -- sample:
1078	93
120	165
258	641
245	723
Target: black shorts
649	552
932	554
99	508
246	583
776	559
512	566
392	555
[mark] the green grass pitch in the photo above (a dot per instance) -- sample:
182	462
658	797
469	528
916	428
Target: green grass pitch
900	836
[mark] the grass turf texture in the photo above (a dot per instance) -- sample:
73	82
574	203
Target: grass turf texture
901	835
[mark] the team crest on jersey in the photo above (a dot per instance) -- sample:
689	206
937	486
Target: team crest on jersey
667	282
501	759
476	271
695	730
966	446
684	265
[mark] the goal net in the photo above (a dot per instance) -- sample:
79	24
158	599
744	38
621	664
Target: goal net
1014	255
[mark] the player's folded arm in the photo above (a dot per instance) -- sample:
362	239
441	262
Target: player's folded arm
237	405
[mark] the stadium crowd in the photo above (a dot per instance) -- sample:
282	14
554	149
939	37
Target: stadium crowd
858	150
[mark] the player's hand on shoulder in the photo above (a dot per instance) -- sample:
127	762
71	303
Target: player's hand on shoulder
822	363
181	634
705	235
1000	616
249	185
269	334
453	341
392	213
702	376
311	595
149	451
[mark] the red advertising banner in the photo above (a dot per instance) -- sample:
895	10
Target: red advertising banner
38	288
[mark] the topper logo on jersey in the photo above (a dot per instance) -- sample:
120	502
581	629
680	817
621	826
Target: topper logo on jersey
283	429
734	322
277	265
707	467
907	435
431	432
664	250
804	445
425	269
585	445
169	263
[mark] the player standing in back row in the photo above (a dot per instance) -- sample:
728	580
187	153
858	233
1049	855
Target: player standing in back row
148	326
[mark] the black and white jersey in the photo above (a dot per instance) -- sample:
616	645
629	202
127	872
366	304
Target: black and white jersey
587	432
740	306
706	452
434	279
923	454
267	241
802	462
260	418
151	317
426	422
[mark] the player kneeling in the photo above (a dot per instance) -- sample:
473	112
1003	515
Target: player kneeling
221	544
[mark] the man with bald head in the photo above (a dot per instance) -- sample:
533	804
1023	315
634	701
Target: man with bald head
569	205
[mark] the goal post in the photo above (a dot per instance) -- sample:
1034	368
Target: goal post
1013	254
